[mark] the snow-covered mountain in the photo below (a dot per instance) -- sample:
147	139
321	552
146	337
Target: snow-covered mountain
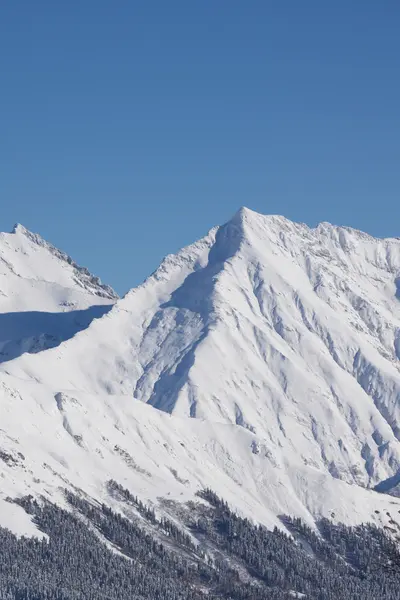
261	361
45	297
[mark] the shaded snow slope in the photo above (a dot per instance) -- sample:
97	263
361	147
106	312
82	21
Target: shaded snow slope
275	348
45	297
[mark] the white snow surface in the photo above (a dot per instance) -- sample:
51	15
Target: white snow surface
45	297
261	361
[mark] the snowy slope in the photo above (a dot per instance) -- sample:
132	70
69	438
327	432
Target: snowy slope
268	355
44	296
81	441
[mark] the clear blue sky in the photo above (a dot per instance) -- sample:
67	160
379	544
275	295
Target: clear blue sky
129	128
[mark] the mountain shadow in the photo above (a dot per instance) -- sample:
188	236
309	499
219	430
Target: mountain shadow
397	284
34	331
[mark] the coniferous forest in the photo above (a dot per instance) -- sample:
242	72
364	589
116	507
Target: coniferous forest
204	550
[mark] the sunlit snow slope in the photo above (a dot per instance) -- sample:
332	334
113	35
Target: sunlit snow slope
271	351
45	297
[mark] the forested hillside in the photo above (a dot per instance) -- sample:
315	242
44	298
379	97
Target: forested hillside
94	553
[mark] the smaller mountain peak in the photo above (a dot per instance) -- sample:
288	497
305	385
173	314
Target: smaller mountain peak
22	230
18	228
81	274
32	237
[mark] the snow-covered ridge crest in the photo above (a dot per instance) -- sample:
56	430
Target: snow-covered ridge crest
82	275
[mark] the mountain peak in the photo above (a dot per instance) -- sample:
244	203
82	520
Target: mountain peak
36	259
245	213
279	339
19	228
251	220
248	215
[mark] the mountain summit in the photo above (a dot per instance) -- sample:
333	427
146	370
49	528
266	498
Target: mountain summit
267	354
45	297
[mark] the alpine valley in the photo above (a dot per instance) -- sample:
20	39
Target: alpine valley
228	429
